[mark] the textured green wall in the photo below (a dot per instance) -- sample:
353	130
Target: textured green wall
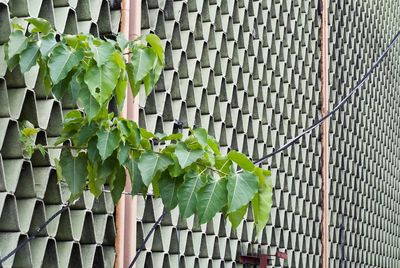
364	136
83	236
248	72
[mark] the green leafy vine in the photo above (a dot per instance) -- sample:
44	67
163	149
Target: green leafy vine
99	147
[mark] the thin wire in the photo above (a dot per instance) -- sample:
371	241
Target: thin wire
33	236
307	130
337	107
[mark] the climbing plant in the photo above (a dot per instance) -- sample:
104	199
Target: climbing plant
99	147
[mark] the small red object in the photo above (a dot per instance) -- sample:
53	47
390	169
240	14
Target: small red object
262	260
281	255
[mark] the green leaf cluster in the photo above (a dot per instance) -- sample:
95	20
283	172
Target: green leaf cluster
89	70
100	148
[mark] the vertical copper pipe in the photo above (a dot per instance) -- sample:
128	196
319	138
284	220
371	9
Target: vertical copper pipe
325	131
132	112
125	242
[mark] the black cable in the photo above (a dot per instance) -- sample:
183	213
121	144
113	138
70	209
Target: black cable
337	107
33	236
293	141
142	246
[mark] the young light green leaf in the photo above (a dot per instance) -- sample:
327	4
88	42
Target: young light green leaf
29	57
169	190
187	156
74	171
40	25
151	163
136	177
142	60
18	42
101	81
29	131
62	61
187	193
155	42
108	141
262	203
236	217
241	160
90	104
211	199
241	189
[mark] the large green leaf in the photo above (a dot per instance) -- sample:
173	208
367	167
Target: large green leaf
90	104
187	156
211	199
168	190
17	44
29	57
118	184
95	182
151	163
86	132
136	177
241	189
123	154
92	151
142	61
157	45
262	203
201	135
63	59
120	90
101	53
122	41
236	217
187	193
241	160
135	87
107	142
151	79
74	171
223	163
102	80
39	25
47	43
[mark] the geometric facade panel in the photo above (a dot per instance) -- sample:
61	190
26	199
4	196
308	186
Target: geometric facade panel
83	235
247	71
364	136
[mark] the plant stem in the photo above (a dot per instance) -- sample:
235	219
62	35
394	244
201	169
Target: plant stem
64	147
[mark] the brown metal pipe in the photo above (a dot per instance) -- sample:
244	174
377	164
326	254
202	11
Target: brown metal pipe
324	38
125	241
